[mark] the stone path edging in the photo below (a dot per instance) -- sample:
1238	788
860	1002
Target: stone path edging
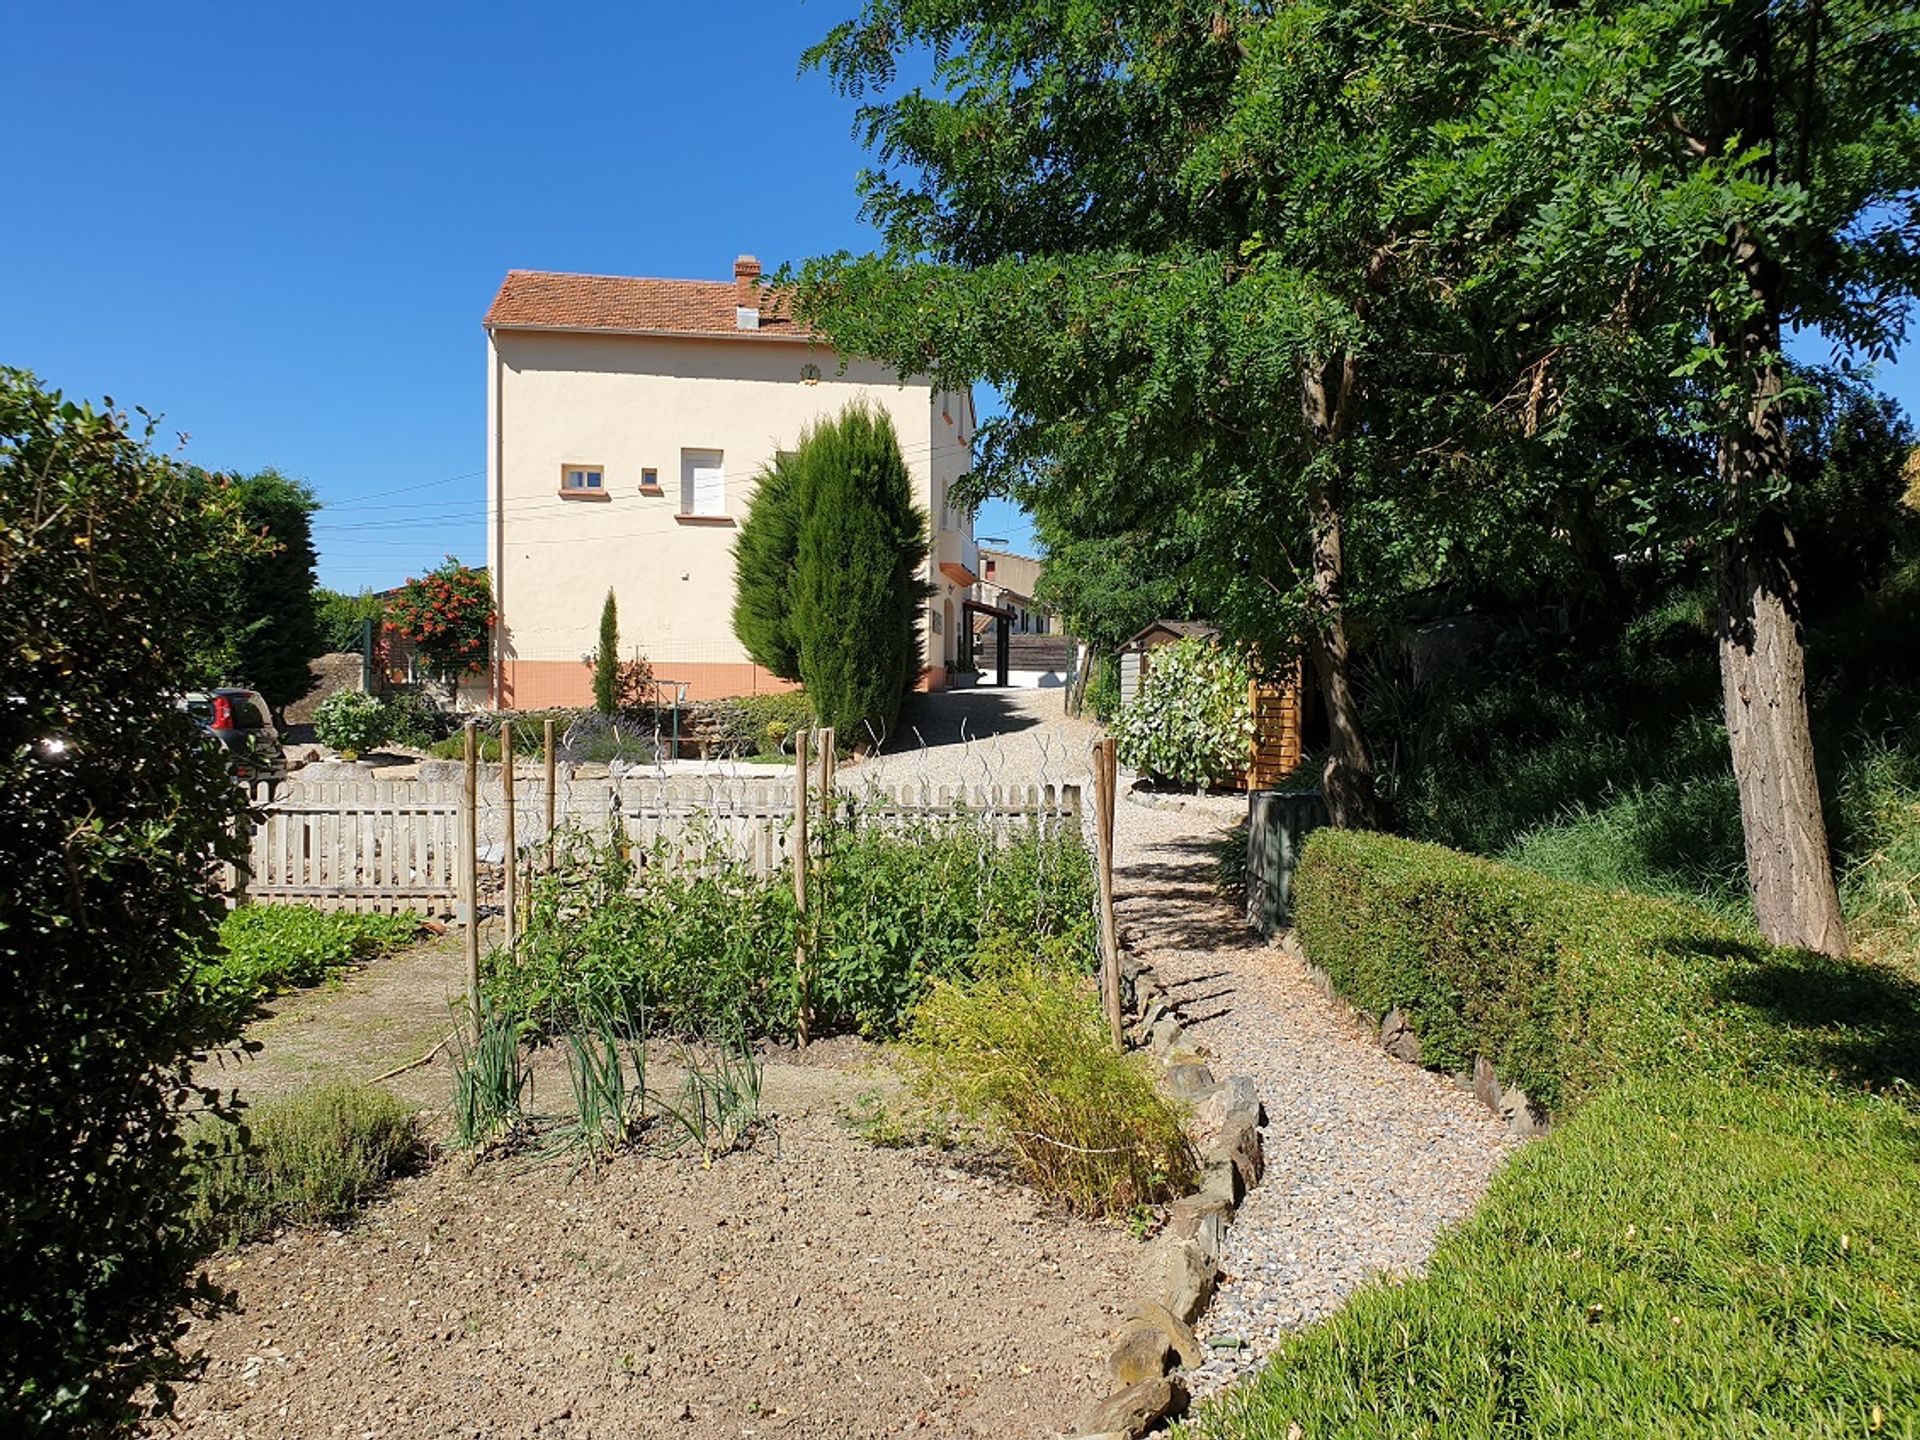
1158	1340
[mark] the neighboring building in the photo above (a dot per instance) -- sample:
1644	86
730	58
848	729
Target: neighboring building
626	421
1009	582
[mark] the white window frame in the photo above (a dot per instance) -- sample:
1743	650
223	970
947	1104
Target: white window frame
701	495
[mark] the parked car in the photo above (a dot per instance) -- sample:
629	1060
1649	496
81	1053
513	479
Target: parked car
239	722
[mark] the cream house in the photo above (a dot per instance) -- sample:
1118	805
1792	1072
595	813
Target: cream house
626	421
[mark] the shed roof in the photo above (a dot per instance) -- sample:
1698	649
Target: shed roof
1178	629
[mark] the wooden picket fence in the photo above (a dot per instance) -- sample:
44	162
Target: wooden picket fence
385	845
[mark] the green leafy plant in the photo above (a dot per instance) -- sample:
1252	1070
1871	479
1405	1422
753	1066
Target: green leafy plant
491	1079
412	719
114	569
350	722
312	1158
605	1043
828	563
264	949
344	618
606	659
1192	721
719	1110
1025	1053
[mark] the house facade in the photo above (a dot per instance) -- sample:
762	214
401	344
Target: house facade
1009	582
627	420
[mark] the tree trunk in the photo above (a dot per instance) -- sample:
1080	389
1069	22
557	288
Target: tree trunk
1347	780
1763	674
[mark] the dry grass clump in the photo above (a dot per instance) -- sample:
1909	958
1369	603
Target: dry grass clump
1024	1054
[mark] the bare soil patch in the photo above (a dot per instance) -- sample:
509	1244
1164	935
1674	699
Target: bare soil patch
815	1285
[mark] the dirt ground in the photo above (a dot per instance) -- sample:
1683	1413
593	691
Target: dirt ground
814	1286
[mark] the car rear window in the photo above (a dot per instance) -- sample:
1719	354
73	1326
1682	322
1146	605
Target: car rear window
249	712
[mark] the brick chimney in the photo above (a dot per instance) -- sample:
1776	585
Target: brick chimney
746	293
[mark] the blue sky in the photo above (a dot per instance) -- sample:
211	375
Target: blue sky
279	226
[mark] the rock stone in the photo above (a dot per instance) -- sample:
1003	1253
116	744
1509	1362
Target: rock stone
1135	1410
1193	1216
1191	1082
1167	1034
1238	1144
1144	1353
1221	1178
1179	1334
1397	1037
1523	1117
1187	1275
1486	1085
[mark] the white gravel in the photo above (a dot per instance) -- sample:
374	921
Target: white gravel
1367	1159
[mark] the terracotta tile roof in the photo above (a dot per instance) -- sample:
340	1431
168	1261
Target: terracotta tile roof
546	300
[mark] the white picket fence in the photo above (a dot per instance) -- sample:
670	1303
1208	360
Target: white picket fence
386	845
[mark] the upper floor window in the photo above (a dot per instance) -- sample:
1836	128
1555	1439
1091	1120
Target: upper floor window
582	477
703	482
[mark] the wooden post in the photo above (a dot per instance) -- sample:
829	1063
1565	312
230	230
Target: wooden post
1105	776
803	1018
828	760
550	790
470	869
512	856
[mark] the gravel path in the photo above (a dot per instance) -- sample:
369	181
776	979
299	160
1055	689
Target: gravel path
1367	1159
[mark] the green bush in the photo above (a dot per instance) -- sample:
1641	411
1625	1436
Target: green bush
265	949
711	948
1103	689
350	722
115	570
1191	722
1023	1051
313	1158
412	719
755	724
343	618
1684	1257
1566	988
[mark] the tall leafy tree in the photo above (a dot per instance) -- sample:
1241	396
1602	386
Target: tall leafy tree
763	561
1174	236
111	808
274	604
1664	189
857	588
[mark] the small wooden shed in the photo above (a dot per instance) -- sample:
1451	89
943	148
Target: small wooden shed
1136	654
1276	704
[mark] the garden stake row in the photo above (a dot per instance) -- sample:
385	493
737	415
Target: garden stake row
802	1020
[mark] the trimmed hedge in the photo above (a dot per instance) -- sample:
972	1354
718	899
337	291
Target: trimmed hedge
1682	1258
1565	987
1715	1240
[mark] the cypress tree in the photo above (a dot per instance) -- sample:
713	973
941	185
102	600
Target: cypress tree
763	559
606	660
276	616
856	590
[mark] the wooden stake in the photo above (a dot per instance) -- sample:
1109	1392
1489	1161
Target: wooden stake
829	758
550	792
803	1018
513	849
1105	776
470	869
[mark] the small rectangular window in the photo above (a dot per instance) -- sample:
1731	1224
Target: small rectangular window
582	477
703	482
649	479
